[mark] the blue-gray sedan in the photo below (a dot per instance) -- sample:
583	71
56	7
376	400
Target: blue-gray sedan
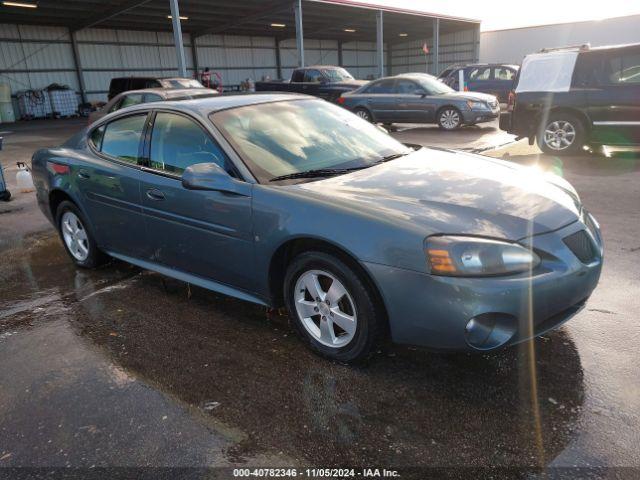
289	200
419	98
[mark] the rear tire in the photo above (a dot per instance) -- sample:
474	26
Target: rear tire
77	237
332	309
364	114
561	134
449	118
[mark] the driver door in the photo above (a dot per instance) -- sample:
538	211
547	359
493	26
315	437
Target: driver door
204	233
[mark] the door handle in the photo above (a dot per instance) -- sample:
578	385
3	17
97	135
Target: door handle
155	194
84	175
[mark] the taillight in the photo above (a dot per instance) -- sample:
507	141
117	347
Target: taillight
341	100
511	100
58	168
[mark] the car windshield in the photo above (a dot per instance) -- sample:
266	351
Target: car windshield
336	74
285	138
433	85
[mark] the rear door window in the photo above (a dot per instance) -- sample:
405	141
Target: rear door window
381	87
121	138
177	142
480	74
297	76
406	87
624	69
313	76
132	99
151	97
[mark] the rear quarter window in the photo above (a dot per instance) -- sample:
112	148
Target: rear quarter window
121	138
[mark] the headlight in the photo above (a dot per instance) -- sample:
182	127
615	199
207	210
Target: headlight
476	105
468	256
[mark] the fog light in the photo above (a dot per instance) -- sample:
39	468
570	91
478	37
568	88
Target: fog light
490	330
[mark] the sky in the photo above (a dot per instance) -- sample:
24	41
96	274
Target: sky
501	14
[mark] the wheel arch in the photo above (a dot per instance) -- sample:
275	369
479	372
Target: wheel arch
366	109
288	250
580	115
57	196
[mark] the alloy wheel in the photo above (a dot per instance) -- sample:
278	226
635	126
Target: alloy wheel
363	114
75	236
450	119
325	308
559	135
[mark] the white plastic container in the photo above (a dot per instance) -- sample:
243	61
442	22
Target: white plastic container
23	178
6	112
5	93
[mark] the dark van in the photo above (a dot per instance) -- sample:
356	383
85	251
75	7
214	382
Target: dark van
566	98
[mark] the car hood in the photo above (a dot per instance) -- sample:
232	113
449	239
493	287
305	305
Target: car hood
473	96
453	192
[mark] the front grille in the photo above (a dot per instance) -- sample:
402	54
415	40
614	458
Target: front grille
582	246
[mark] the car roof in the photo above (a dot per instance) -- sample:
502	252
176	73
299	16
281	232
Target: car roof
205	106
172	92
330	67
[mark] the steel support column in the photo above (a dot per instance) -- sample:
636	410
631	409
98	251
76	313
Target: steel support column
380	43
297	6
194	58
278	59
76	62
476	49
435	53
177	38
340	57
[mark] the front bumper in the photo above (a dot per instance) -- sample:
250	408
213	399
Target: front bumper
479	116
435	311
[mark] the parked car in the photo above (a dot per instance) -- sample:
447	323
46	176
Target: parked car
124	84
419	98
494	78
290	200
571	97
322	81
135	97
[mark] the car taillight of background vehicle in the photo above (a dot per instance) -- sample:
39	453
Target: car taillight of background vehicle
511	101
341	100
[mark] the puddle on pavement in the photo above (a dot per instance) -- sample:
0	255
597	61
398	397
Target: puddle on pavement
115	350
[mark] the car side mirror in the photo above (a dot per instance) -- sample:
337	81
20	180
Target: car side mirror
211	177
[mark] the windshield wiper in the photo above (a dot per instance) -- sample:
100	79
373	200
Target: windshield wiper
393	156
321	172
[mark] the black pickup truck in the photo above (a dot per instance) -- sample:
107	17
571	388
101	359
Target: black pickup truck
326	82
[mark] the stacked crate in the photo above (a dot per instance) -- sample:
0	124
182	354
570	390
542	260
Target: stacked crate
34	104
64	103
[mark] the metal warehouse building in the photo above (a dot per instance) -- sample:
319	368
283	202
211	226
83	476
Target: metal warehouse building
85	43
511	45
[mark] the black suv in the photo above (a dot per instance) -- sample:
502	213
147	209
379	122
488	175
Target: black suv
575	96
494	78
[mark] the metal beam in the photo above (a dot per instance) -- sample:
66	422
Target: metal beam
380	42
269	9
297	6
194	59
108	14
177	38
476	47
278	59
78	67
340	54
435	53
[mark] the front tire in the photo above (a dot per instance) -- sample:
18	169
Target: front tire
561	134
332	309
77	238
449	118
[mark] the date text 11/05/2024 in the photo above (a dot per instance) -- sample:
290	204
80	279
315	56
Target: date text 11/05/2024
315	472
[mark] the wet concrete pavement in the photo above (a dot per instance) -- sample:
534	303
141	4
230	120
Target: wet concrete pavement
122	367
